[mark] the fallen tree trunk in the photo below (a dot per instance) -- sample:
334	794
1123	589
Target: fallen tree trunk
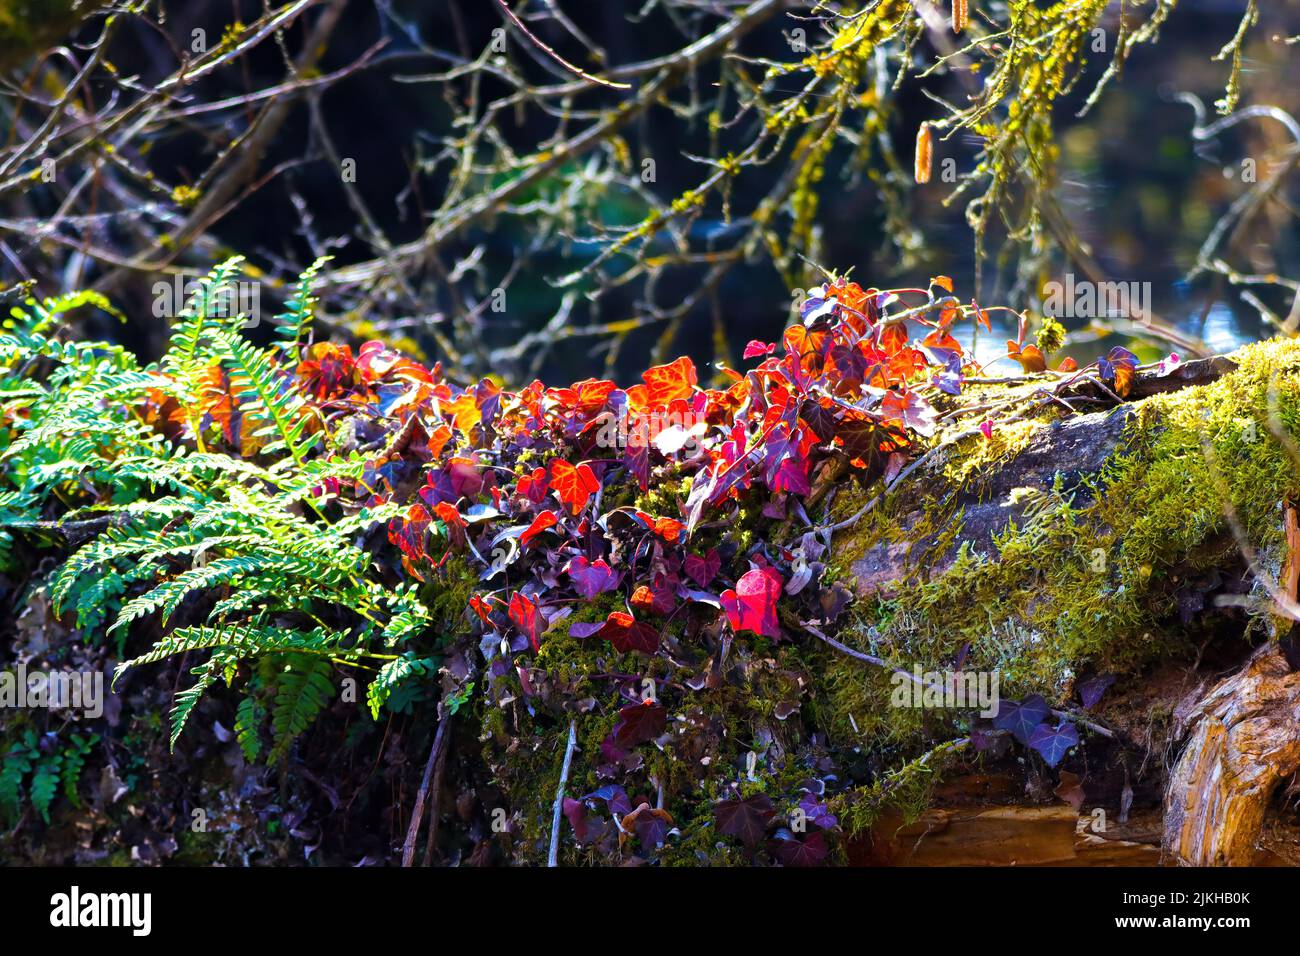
1146	541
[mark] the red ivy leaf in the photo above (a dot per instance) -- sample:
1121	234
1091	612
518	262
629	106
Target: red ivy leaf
526	617
628	634
746	820
533	486
702	570
663	383
913	411
638	723
481	608
451	517
752	605
791	851
542	522
408	533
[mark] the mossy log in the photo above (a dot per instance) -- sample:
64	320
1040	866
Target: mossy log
1147	539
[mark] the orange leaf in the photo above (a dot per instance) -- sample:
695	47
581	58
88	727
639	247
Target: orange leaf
438	439
573	484
643	600
542	522
667	382
464	412
1030	359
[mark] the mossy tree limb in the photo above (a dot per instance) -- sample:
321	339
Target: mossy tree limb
1072	544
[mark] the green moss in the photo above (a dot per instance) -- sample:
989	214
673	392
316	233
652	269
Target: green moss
1051	335
1091	585
664	498
448	591
976	456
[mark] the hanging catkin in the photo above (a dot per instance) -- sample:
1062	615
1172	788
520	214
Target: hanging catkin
924	153
958	15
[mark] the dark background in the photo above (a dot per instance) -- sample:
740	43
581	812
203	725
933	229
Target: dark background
1135	185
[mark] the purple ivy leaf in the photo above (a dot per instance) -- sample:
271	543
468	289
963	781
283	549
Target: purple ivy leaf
585	830
592	578
614	796
1054	742
746	820
1021	718
703	569
638	723
817	813
816	307
789	850
650	825
1116	357
1090	691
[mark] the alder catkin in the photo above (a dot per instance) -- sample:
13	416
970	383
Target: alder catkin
924	153
958	15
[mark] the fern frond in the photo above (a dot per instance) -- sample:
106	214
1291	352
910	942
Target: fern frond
35	317
237	641
188	349
391	675
166	597
248	725
186	700
265	393
303	690
294	322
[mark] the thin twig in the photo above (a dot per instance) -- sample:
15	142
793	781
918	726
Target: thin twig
519	24
417	814
910	675
553	858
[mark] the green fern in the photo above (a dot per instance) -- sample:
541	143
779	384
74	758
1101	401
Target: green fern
262	393
17	763
393	675
248	727
239	558
45	784
303	691
294	322
74	760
